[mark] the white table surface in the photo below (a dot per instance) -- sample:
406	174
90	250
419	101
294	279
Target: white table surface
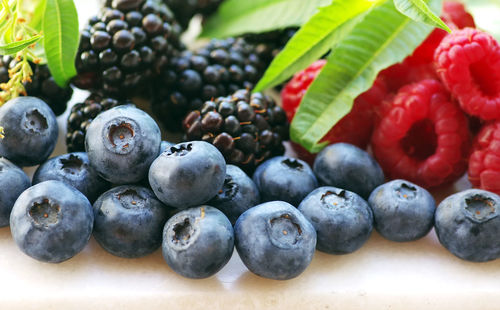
381	275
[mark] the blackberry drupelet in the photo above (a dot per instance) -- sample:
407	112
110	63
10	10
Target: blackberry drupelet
184	10
82	115
126	46
247	128
42	85
217	69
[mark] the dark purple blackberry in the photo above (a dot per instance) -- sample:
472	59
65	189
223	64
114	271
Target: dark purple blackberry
269	44
126	46
82	115
42	85
184	10
247	128
217	69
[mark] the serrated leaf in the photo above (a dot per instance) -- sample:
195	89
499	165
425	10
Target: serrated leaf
382	38
60	28
14	47
313	40
236	17
420	12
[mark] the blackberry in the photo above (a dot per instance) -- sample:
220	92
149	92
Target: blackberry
42	85
126	46
217	69
269	44
247	128
184	10
82	115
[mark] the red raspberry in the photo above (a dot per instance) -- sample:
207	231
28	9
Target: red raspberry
423	138
484	163
296	88
355	128
454	12
468	63
456	17
398	76
406	72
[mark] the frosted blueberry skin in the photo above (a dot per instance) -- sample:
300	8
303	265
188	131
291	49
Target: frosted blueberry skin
346	166
13	181
285	179
164	145
73	169
187	174
238	194
31	131
129	221
468	225
274	240
402	211
121	144
51	221
198	242
342	219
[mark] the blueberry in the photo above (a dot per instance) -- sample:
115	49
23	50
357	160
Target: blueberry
51	221
129	221
73	169
348	167
13	181
238	194
468	225
274	240
198	242
121	144
402	211
284	178
30	131
187	174
164	145
342	219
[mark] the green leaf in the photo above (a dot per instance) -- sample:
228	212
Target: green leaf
14	47
420	12
236	17
60	28
382	38
313	40
37	14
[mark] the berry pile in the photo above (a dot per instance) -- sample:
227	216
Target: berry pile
126	46
217	69
198	208
247	128
419	115
228	185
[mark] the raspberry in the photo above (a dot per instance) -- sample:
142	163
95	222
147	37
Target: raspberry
397	76
454	12
484	163
423	138
424	53
355	128
295	89
456	17
406	72
468	63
